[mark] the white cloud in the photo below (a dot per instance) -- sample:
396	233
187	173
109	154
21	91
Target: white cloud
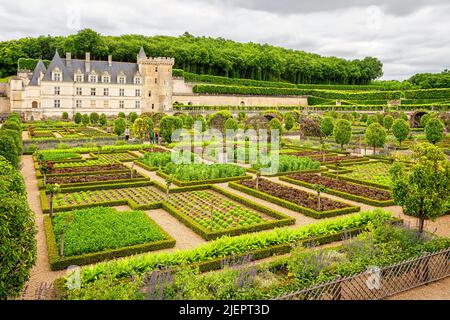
407	36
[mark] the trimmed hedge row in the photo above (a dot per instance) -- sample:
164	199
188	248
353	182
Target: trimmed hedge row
57	262
428	94
327	94
204	78
292	206
342	194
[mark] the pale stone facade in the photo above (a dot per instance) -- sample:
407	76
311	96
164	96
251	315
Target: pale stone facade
85	86
109	87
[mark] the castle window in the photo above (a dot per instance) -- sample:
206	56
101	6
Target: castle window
79	91
121	104
92	78
156	69
121	92
34	104
121	79
137	80
106	79
106	91
149	93
156	80
153	106
57	76
242	103
137	104
57	91
93	104
79	78
57	103
138	92
78	104
92	91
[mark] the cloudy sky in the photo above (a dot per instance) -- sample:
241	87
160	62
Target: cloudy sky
408	36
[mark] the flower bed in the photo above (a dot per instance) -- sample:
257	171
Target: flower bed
144	197
374	173
342	188
66	181
294	199
93	235
212	213
211	255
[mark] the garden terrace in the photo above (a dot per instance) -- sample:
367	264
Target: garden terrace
210	256
342	188
212	213
94	178
294	199
137	197
86	169
373	173
96	234
200	173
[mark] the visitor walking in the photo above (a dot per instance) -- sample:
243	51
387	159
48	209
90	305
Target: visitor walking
127	134
152	137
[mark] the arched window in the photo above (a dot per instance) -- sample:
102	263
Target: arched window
242	103
34	104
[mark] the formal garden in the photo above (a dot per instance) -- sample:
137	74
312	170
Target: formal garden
223	221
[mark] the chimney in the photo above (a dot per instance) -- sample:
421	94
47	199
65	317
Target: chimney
110	60
68	59
88	62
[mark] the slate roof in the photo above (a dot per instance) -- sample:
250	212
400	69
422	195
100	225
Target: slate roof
40	67
128	69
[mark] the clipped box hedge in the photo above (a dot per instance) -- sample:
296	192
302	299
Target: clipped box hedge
201	182
342	194
57	262
366	183
293	206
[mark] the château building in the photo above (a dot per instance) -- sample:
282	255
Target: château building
85	86
109	87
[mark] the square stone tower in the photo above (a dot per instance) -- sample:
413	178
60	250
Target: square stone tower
157	83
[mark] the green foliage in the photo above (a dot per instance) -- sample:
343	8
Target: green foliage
98	229
65	115
424	119
342	132
8	149
85	119
275	124
364	117
17	232
102	120
12	125
434	130
431	80
29	64
156	159
231	124
388	122
132	116
400	129
167	125
121	115
119	126
201	171
288	163
94	118
422	190
375	136
77	118
327	126
288	121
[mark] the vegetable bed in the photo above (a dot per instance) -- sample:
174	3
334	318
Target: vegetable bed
294	199
342	188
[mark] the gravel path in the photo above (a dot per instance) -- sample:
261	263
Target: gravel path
41	275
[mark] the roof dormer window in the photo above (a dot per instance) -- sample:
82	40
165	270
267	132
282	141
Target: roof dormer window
57	75
106	78
78	77
137	80
92	78
121	79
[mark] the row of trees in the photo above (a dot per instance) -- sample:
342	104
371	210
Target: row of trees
202	55
431	80
17	227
